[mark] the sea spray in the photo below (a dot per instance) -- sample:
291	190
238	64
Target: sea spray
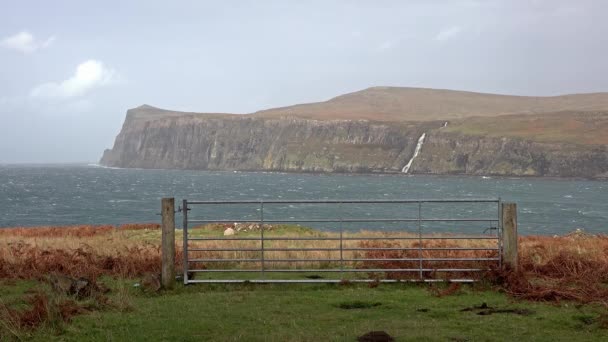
407	167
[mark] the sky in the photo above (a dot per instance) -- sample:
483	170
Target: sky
69	70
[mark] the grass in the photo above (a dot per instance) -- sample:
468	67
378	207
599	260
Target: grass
570	127
326	313
573	267
564	279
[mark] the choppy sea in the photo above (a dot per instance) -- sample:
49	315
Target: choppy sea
35	195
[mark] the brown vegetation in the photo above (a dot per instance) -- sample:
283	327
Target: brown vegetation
78	251
78	231
424	104
576	127
572	267
40	310
409	104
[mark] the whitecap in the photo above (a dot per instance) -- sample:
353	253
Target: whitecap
104	167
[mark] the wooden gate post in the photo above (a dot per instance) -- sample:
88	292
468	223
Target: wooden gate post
509	235
167	276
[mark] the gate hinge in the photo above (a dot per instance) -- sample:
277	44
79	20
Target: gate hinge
179	209
491	228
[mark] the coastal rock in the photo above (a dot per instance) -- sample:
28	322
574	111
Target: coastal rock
159	139
250	227
579	233
455	153
79	287
150	283
250	143
229	232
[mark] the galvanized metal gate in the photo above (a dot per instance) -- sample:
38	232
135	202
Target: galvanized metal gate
427	256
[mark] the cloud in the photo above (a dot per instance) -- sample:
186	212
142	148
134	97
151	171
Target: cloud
386	45
25	42
389	44
89	75
448	33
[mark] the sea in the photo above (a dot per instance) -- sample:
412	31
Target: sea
63	195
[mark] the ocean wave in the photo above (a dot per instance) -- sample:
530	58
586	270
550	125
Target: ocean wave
104	167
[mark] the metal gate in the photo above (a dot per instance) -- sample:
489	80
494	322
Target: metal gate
421	254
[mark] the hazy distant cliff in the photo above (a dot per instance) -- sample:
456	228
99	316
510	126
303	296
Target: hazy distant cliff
246	143
447	153
286	140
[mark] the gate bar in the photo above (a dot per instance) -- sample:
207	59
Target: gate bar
472	200
262	234
332	281
263	260
350	220
347	238
185	232
343	249
338	260
335	270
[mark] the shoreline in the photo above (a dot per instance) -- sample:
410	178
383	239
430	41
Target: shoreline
371	173
320	173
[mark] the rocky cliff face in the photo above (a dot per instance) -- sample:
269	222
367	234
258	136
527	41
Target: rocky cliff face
249	143
452	153
245	142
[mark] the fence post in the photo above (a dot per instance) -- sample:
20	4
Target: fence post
168	243
509	235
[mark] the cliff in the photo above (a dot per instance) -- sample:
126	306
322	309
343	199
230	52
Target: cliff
248	143
562	144
452	153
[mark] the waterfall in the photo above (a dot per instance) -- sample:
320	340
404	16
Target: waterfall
445	124
406	168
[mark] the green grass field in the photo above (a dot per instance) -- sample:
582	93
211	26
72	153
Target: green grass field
286	312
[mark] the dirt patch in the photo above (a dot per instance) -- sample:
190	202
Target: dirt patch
586	319
314	276
375	336
484	310
522	312
357	305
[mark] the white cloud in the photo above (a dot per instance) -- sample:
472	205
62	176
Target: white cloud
89	75
390	44
25	42
448	33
